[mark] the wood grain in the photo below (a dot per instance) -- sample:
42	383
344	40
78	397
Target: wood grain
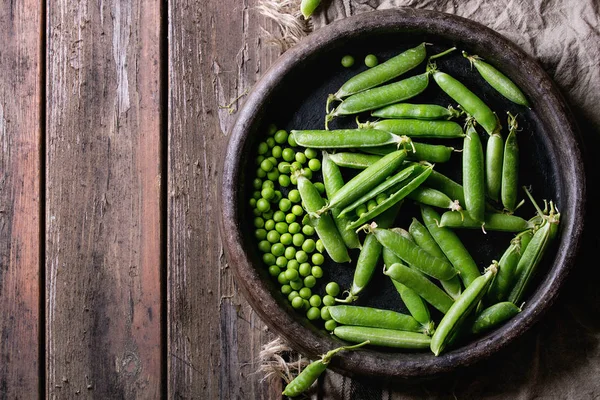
103	256
20	138
215	54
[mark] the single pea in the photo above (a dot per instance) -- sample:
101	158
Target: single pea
274	270
291	274
291	141
307	172
330	325
262	148
278	249
259	222
310	281
260	234
288	154
290	219
284	167
282	279
256	195
269	225
263	205
295	166
304	269
268	184
320	187
309	245
297	210
347	61
300	157
295	228
264	246
290	252
316	271
294	179
308	230
278	216
306	305
252	203
314	164
261	173
294	196
328	300
313	313
381	197
267	193
284	180
293	264
298	302
281	136
332	288
273	161
267	215
305	293
256	212
257	183
281	227
271	129
301	256
269	259
270	142
311	153
286	289
371	60
325	315
266	165
273	236
317	259
276	151
293	294
315	300
298	239
360	210
259	159
371	204
285	205
286	239
273	175
320	247
281	262
297	284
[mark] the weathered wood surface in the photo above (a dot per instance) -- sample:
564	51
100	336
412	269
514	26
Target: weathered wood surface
20	138
103	243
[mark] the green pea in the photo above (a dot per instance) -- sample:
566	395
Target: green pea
381	197
257	183
371	204
256	212
269	225
266	165
304	269
256	195
281	136
296	166
286	289
285	205
301	256
309	245
307	172
277	249
308	230
300	157
278	196
305	293
281	261
294	179
264	246
320	246
293	264
298	239
278	216
314	164
294	227
259	159
262	148
328	300
291	274
267	184
292	141
267	193
297	302
294	196
252	203
315	300
290	252
316	271
293	294
330	325
311	153
313	313
360	210
269	259
325	315
290	219
286	239
310	281
273	175
281	278
371	60
276	151
288	154
284	167
274	270
320	187
271	129
317	259
273	236
267	215
270	142
259	222
284	180
263	205
297	284
332	289
347	61
261	173
281	227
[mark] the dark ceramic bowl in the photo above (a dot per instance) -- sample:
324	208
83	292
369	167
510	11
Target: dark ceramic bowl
292	95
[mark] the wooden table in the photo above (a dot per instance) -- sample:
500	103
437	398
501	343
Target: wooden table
113	121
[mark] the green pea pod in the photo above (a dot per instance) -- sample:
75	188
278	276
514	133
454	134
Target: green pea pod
383	337
505	278
378	97
498	80
510	167
333	181
395	197
417	128
424	239
413	302
417	111
433	197
494	316
382	73
345	138
374	317
473	175
451	245
307	7
369	256
492	222
324	225
493	166
416	281
311	372
447	186
384	186
366	180
433	153
357	160
460	310
468	100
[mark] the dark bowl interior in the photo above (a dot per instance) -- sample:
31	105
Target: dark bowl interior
292	95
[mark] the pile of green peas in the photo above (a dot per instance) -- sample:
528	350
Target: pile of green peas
290	248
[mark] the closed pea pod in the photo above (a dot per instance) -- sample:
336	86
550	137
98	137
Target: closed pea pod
323	225
374	317
498	80
333	181
451	245
307	7
447	186
433	153
510	167
433	197
494	316
494	153
460	310
492	222
312	372
417	111
417	128
473	176
383	337
346	138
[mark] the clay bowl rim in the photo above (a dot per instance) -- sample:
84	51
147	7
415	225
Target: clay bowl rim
545	97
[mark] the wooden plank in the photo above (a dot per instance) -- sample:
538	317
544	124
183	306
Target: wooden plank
103	246
20	138
215	54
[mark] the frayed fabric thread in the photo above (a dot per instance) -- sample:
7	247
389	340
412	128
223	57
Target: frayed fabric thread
277	359
292	26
